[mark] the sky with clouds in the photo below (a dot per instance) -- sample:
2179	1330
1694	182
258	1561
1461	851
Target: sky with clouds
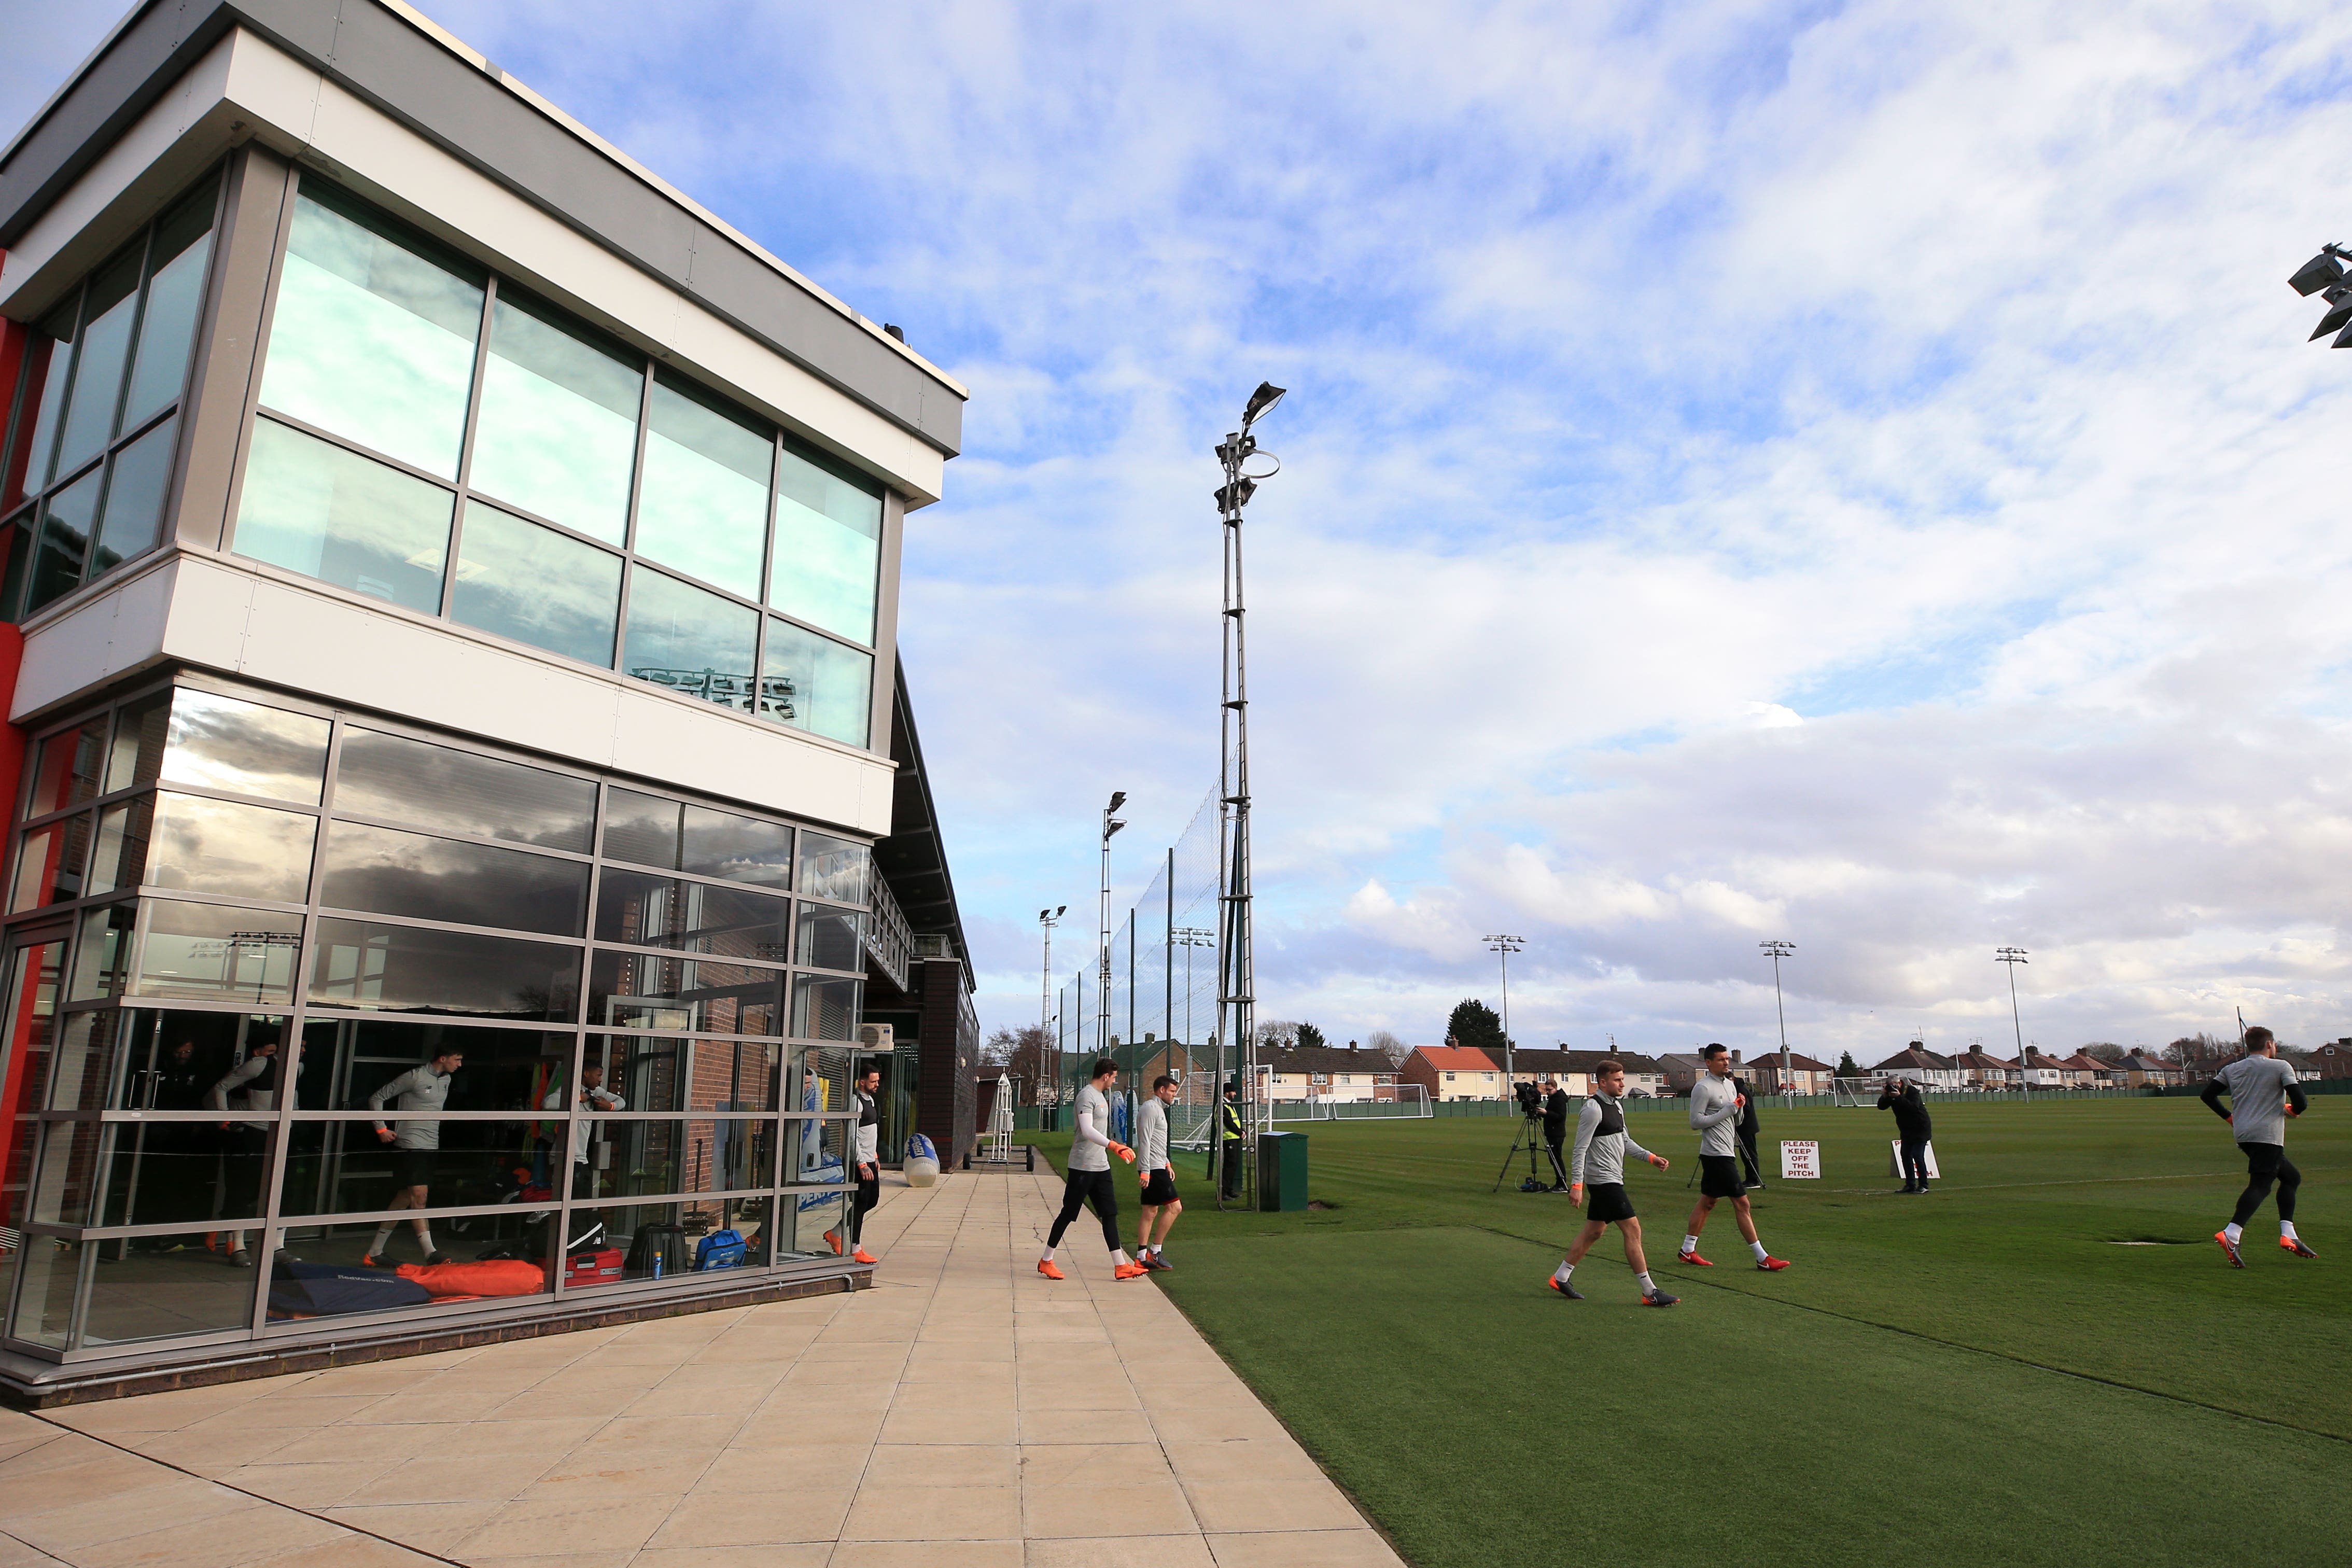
1844	473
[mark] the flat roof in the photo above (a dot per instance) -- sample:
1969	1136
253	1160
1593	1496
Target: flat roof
385	52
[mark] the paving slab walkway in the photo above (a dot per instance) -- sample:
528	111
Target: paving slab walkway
966	1410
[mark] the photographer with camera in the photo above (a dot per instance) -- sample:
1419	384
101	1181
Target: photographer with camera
1555	1117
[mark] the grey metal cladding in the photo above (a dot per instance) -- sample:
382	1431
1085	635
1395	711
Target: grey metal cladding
378	55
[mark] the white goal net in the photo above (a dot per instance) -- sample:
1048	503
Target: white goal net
1856	1091
1410	1102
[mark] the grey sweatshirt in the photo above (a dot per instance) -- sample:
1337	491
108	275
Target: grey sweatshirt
1090	1145
600	1099
1599	1157
418	1088
2259	1088
1151	1135
1715	1113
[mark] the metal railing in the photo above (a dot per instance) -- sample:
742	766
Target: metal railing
888	939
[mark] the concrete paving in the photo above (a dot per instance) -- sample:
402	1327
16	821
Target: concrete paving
966	1403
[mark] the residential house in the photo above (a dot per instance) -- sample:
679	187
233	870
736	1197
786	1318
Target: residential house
1979	1069
2041	1070
1452	1072
1643	1075
2333	1060
1550	1070
2140	1070
1922	1067
2084	1071
1325	1072
1805	1075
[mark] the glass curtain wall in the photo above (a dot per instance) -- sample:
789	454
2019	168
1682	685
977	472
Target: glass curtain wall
434	437
93	419
308	1016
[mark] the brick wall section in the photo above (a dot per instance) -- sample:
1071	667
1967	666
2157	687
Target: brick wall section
949	1078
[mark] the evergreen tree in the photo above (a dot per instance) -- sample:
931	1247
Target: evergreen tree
1846	1067
1474	1024
1308	1035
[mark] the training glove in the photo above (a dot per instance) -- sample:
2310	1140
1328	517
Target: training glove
1124	1152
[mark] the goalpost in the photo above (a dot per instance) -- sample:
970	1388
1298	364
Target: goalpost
1411	1103
1856	1091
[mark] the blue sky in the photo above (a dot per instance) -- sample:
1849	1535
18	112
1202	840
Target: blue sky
1844	473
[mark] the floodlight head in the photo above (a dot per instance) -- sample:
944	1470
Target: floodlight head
1061	909
1235	496
1044	914
2343	339
1260	402
2339	314
2317	273
1111	826
1118	799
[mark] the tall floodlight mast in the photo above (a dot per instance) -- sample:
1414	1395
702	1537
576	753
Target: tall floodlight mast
1048	920
1110	825
2013	956
1502	946
1780	950
1237	974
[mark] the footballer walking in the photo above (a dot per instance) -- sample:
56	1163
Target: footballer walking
1599	1152
1088	1181
2262	1094
1716	1105
1160	1204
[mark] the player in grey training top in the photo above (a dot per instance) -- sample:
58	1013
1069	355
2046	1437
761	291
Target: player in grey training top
1160	1205
1599	1152
415	1143
1714	1107
2262	1094
1088	1180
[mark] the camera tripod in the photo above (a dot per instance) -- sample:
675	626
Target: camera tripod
1530	1138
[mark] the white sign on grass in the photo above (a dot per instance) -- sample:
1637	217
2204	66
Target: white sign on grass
1895	1159
1800	1161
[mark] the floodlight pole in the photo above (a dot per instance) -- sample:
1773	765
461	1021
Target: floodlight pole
2013	956
1237	983
1188	938
1110	825
1780	950
1048	920
1503	947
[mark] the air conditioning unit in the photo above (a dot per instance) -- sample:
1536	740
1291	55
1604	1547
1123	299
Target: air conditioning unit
876	1037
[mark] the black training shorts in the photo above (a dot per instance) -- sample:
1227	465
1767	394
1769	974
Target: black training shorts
2264	1160
412	1167
1159	1188
1719	1176
1606	1203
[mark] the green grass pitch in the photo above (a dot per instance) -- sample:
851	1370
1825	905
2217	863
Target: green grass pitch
1980	1376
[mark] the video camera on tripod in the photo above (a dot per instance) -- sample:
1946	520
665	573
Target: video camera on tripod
1530	1100
1530	1137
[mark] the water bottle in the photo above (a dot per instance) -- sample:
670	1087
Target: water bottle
657	1262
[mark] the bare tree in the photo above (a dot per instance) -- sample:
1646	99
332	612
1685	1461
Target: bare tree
2104	1051
1026	1054
1280	1034
1388	1045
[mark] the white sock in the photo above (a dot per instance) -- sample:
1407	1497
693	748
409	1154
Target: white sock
382	1240
2286	1229
1647	1288
1155	1250
1758	1248
1690	1244
1563	1271
2234	1230
425	1240
1048	1258
1119	1259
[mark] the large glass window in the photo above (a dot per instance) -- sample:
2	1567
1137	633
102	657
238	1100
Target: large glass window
374	334
633	991
213	952
227	848
101	377
705	506
816	684
188	737
536	585
414	969
385	871
690	641
557	434
405	780
648	830
647	911
311	507
828	548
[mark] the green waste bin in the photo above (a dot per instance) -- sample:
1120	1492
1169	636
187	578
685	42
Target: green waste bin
1281	1172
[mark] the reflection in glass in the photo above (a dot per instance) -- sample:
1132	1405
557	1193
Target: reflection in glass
66	773
103	952
216	952
84	1058
816	684
739	849
220	742
690	641
169	1059
692	917
642	829
372	338
315	509
831	938
155	1288
343	1167
67	519
122	833
49	865
134	498
557	432
225	848
704	505
385	871
655	1240
812	1214
825	1009
828	548
536	585
834	869
520	1243
632	991
406	780
106	313
56	336
672	1072
504	1070
44	1291
167	325
709	1155
157	1172
411	968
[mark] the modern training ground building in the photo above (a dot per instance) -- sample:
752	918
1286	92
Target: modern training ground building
452	594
